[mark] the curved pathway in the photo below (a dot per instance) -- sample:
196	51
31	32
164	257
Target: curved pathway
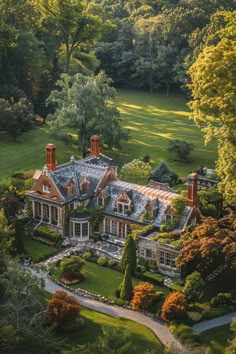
157	326
215	322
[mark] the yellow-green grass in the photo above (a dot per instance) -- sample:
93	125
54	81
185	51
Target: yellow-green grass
37	250
217	339
141	336
102	280
152	119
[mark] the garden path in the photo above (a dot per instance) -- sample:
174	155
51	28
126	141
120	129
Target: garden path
215	322
157	326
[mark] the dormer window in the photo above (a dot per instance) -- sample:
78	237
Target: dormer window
100	201
46	188
84	185
122	208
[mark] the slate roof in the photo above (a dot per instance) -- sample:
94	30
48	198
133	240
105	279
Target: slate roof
140	195
76	171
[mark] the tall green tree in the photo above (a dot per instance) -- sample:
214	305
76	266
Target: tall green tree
73	25
126	290
86	104
213	109
16	117
129	255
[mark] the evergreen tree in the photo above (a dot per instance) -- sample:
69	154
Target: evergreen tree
126	290
129	255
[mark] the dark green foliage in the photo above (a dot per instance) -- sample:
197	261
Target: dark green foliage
210	202
126	290
194	284
19	236
72	264
162	174
16	116
222	299
129	255
181	148
48	233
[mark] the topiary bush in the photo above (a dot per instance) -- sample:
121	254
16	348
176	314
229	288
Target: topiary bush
87	255
119	302
102	261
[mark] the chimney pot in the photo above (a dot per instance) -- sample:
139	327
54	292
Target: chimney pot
51	156
95	145
192	200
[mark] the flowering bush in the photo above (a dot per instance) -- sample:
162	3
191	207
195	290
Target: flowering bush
174	307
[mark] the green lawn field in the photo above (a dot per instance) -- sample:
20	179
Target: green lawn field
102	280
216	339
142	337
152	119
37	250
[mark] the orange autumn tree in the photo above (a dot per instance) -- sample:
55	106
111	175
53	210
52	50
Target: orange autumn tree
212	243
143	296
174	307
62	309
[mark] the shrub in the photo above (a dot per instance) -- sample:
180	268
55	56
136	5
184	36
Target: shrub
152	265
102	261
143	296
48	233
153	278
221	299
119	302
141	261
111	263
140	269
72	264
193	286
174	307
62	309
195	316
87	255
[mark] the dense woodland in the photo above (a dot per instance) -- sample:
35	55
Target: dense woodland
147	44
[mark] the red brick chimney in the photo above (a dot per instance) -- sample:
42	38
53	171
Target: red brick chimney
95	145
192	190
51	156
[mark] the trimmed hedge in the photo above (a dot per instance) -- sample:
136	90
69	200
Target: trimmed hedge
185	334
49	234
152	278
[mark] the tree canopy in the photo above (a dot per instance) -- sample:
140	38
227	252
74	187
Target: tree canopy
85	104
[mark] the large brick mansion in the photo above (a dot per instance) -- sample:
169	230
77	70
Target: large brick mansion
92	181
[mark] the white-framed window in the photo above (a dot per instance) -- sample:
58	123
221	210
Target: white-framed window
85	229
122	208
114	227
77	229
162	257
46	189
167	259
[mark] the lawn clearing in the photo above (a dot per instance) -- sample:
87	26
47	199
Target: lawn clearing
153	119
142	337
216	339
37	250
103	281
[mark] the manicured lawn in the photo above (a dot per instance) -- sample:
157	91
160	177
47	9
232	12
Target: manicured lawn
102	280
37	250
142	337
28	153
152	119
216	339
